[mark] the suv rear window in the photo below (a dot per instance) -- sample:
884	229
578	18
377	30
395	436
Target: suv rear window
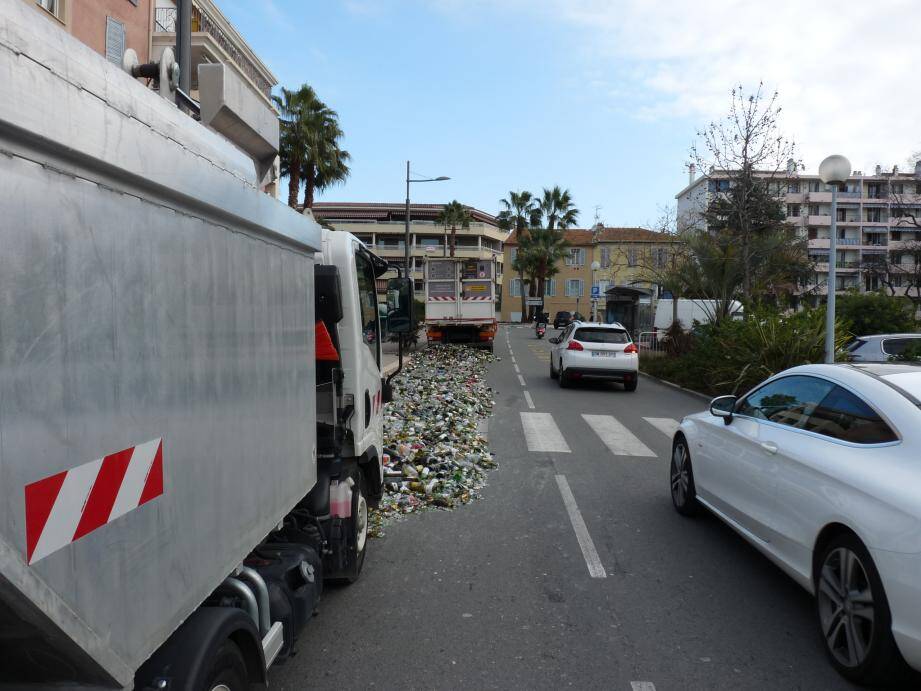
897	346
590	335
562	315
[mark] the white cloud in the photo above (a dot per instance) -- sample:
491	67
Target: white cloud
846	71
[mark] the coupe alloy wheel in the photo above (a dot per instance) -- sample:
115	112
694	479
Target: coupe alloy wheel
846	609
679	474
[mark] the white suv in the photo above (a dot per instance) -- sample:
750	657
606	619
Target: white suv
586	350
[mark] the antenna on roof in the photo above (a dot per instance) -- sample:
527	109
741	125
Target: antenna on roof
597	215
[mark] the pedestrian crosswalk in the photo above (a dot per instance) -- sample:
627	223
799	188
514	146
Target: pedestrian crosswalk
619	440
542	433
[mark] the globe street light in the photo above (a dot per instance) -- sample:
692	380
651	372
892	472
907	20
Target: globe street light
406	253
834	171
595	266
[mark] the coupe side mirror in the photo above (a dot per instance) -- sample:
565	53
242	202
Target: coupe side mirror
723	406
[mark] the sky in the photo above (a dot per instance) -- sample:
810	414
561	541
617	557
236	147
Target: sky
603	97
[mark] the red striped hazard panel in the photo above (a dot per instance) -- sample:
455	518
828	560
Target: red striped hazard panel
63	508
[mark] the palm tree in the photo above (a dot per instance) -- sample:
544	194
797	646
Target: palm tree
453	215
292	137
557	209
554	213
309	144
517	215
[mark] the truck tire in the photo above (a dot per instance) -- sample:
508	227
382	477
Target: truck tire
358	527
228	671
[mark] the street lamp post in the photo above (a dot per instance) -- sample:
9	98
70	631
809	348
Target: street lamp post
406	253
834	171
595	266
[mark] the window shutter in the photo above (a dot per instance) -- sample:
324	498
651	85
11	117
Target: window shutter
115	40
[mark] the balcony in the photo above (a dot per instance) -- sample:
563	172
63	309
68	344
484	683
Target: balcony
819	220
819	243
819	197
848	241
213	40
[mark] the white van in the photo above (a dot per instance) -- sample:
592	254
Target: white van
689	311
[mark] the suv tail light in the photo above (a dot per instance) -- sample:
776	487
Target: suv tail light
574	345
631	348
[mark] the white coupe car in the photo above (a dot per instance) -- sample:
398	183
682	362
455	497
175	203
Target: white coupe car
819	467
588	350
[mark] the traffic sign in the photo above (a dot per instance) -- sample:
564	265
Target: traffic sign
534	302
596	291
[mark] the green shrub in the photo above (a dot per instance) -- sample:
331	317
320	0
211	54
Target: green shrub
864	314
734	356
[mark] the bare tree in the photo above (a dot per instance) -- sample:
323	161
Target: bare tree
903	262
745	151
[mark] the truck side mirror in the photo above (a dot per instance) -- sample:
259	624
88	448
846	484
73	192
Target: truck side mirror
401	317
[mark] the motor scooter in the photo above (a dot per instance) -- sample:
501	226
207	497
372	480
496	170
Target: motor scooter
541	329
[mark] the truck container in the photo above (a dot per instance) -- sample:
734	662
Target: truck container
190	383
460	301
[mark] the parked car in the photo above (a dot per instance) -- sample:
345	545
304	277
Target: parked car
881	347
594	351
562	319
818	468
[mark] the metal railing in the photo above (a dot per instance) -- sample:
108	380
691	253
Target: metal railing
165	21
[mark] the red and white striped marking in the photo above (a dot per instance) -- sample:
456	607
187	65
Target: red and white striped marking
442	299
482	299
62	508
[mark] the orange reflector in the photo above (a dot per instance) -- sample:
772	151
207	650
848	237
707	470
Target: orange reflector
326	351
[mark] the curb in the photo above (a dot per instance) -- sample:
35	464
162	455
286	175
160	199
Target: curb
392	367
696	394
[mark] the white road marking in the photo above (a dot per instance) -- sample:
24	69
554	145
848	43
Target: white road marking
542	434
521	379
517	370
666	425
619	440
528	399
592	560
642	686
513	359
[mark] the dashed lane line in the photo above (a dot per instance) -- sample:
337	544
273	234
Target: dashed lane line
542	434
528	399
642	686
619	440
589	553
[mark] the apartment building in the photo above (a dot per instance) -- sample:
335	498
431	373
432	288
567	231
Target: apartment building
107	26
214	39
382	227
873	228
623	256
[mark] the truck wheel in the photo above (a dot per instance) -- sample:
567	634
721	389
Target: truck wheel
228	672
358	537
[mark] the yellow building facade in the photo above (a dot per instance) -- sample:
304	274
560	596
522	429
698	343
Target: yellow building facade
624	257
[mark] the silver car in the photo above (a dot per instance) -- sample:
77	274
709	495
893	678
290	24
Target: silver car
881	347
819	468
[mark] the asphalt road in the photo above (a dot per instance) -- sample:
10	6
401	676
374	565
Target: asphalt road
572	571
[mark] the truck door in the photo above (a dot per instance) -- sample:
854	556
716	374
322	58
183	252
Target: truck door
369	399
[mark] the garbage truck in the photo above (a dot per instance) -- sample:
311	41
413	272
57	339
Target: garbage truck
460	301
190	380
